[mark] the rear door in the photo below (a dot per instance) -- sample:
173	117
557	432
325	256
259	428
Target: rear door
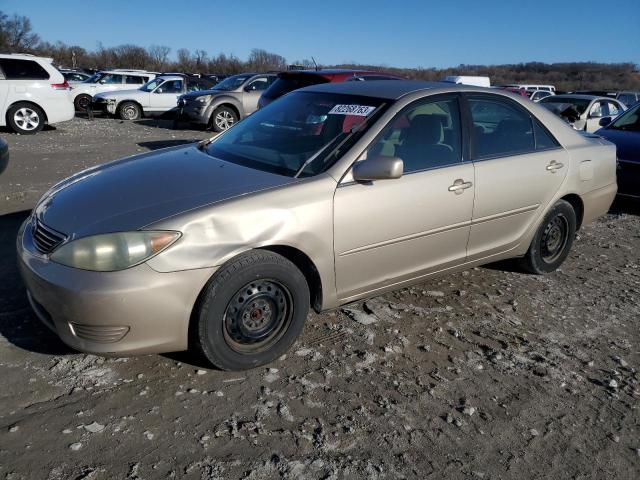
519	167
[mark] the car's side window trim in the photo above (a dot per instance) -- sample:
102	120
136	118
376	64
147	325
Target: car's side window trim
500	99
464	139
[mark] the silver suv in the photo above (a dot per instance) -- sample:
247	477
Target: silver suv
228	102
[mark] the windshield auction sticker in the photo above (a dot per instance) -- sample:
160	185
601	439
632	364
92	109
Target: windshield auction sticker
359	110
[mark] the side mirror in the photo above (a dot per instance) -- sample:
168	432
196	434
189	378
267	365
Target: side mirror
378	168
604	121
158	90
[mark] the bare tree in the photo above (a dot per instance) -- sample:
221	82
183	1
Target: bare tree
16	34
159	55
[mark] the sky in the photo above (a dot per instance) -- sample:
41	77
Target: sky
400	33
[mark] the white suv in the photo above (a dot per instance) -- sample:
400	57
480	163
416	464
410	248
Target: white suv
32	93
107	81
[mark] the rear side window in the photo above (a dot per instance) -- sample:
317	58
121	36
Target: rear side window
500	129
111	78
17	69
543	139
134	80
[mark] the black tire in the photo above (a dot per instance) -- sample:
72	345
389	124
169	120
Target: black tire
82	102
251	311
129	111
553	240
25	118
223	118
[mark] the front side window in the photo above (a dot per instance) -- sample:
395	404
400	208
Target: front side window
259	84
301	135
500	129
17	69
170	86
111	78
151	85
424	136
629	121
596	110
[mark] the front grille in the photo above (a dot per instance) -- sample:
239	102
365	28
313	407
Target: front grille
46	239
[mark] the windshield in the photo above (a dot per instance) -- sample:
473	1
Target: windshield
581	104
232	83
628	121
302	134
151	85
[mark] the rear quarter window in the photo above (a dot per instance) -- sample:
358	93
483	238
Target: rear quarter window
18	69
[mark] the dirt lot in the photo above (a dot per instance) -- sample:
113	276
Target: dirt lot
485	374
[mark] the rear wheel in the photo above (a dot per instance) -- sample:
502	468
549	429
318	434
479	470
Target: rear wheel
552	242
25	118
251	312
129	111
223	118
82	102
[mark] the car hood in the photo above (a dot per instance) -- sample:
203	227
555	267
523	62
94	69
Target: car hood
131	193
627	143
201	93
120	94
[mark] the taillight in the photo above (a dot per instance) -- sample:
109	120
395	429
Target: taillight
61	86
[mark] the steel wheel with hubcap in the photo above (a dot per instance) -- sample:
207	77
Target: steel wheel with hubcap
251	311
223	118
25	118
552	242
129	111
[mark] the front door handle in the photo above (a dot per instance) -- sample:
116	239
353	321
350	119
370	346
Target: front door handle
460	186
553	166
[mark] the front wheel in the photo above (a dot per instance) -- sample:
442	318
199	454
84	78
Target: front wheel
552	242
25	118
223	118
129	111
82	102
251	312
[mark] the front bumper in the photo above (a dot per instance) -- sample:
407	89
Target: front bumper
194	112
103	106
128	312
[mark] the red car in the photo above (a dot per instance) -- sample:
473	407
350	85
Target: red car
293	80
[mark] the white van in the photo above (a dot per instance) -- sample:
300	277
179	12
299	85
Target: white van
32	93
108	81
533	88
476	81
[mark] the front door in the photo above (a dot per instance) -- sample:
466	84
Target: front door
519	167
165	96
391	231
252	92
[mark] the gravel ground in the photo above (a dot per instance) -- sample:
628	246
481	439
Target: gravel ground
487	374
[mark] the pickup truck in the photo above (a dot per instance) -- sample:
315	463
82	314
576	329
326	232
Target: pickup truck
156	97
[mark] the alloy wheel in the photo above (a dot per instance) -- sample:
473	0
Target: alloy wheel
224	120
26	119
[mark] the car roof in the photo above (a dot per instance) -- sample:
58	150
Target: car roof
581	96
385	89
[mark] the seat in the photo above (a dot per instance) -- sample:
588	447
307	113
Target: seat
421	147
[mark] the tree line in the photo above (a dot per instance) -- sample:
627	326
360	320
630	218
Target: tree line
17	35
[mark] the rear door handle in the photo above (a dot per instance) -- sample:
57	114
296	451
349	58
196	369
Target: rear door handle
460	186
553	166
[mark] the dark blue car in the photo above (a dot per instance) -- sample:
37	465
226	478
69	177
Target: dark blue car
624	131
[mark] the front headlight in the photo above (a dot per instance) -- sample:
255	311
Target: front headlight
203	99
113	251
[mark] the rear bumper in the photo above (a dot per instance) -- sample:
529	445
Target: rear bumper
59	109
132	311
597	202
